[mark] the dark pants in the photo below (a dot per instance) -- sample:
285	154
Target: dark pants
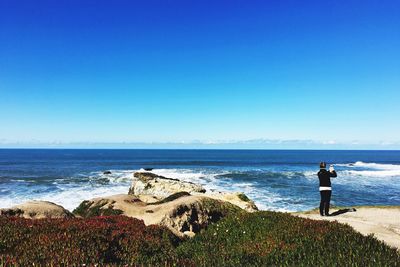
324	204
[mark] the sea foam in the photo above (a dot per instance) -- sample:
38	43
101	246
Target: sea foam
283	188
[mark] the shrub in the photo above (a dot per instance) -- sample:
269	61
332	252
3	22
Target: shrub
243	197
171	198
90	209
241	239
272	238
98	240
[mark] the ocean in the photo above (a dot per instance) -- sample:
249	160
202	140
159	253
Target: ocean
280	180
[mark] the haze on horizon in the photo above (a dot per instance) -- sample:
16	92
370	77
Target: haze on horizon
219	74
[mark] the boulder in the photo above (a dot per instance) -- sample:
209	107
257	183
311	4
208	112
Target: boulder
182	213
147	183
37	210
158	187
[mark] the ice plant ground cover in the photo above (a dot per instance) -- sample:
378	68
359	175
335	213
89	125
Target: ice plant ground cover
112	239
242	239
279	239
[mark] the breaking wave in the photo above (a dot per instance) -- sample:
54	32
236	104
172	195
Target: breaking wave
360	168
283	188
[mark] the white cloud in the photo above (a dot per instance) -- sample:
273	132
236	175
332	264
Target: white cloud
259	143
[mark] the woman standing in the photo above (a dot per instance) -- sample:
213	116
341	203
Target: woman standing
325	188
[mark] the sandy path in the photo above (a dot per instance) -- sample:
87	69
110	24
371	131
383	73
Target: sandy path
383	222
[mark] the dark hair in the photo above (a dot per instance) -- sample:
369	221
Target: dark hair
322	165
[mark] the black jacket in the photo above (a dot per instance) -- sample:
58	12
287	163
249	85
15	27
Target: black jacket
325	177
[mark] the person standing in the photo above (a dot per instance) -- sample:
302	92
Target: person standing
325	188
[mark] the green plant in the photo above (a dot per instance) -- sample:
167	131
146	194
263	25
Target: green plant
97	240
243	197
241	239
102	208
272	238
171	198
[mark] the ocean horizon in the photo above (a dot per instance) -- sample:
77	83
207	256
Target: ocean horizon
279	180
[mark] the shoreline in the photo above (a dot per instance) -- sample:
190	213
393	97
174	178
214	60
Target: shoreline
383	222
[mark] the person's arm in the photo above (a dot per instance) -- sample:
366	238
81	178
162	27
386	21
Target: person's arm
332	172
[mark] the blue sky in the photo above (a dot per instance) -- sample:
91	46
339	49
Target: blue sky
295	74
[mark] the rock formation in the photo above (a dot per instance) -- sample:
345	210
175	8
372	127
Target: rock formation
159	187
182	213
147	183
37	210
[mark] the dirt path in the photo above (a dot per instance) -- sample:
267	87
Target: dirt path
383	222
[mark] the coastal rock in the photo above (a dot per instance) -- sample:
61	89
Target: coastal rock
159	187
147	183
107	172
182	213
37	210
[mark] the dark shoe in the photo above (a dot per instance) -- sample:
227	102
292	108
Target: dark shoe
327	214
321	214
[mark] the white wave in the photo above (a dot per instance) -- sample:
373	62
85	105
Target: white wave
181	174
212	180
371	165
309	174
116	176
264	199
195	176
380	174
365	169
70	192
69	198
22	181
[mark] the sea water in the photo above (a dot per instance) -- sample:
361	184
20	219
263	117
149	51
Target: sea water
281	180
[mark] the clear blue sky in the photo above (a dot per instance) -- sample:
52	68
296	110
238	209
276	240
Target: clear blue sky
325	72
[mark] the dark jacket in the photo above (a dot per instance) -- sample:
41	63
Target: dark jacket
325	177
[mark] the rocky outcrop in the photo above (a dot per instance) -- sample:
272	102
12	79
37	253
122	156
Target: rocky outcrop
37	210
102	207
182	213
159	187
147	183
237	198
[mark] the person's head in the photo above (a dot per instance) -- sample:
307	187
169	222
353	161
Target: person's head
322	165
